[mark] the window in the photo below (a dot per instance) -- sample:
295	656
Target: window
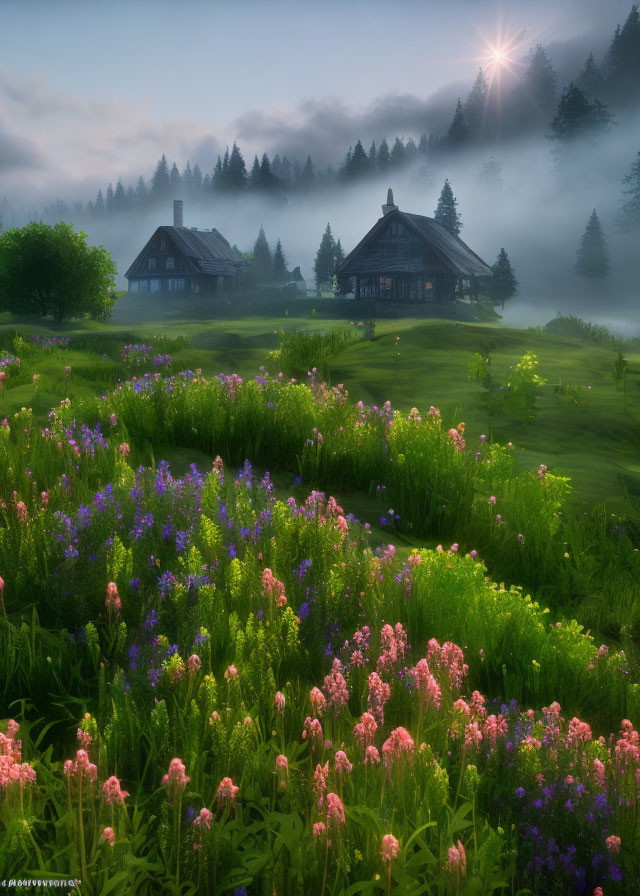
163	245
170	263
143	285
152	264
176	285
154	285
133	286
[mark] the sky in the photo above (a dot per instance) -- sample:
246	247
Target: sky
97	90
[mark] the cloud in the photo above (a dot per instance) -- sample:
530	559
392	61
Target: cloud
17	153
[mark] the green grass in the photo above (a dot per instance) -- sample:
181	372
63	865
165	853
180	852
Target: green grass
594	445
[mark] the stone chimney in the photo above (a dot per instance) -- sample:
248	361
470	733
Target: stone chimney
389	207
177	213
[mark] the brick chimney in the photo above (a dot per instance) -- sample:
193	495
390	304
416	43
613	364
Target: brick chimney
389	207
177	213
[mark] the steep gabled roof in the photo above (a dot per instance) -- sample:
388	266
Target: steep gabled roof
448	249
206	252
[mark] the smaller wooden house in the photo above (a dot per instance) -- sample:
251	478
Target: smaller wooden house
410	259
186	260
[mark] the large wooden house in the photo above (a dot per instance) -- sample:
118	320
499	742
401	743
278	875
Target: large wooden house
186	260
410	259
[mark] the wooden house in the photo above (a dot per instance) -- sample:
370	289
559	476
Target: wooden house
186	260
410	259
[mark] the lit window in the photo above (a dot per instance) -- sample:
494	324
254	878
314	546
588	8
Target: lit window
152	264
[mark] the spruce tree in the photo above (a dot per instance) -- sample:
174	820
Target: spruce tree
130	199
119	199
503	285
373	156
593	257
174	180
623	60
109	199
591	79
160	182
383	157
539	84
629	218
237	172
577	117
324	265
267	182
142	192
224	176
476	104
446	212
338	257
279	264
359	162
198	183
308	176
398	156
262	263
410	151
187	178
458	131
423	147
99	207
254	177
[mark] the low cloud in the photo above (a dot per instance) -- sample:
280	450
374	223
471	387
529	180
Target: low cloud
18	153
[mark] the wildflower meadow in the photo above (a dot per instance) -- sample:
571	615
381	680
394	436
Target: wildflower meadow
217	678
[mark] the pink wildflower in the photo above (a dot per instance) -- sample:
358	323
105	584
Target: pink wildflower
280	702
226	794
194	662
231	674
320	781
124	449
319	830
113	792
203	820
314	729
365	729
176	779
335	687
342	764
390	848
318	701
428	688
108	836
113	599
335	809
81	766
398	744
371	756
613	844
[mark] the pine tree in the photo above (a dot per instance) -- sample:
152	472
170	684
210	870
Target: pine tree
476	105
345	171
359	163
279	264
591	79
160	182
99	207
308	176
503	285
410	151
276	166
109	199
262	263
267	182
198	183
174	179
577	117
285	173
142	192
119	199
338	257
187	178
254	177
593	257
131	201
324	265
629	218
446	212
384	158
373	156
623	60
423	147
217	180
539	84
237	172
224	178
458	131
397	156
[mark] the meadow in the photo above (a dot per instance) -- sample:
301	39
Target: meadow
289	610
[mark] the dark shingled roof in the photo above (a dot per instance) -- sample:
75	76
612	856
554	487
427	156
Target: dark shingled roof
207	252
454	255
